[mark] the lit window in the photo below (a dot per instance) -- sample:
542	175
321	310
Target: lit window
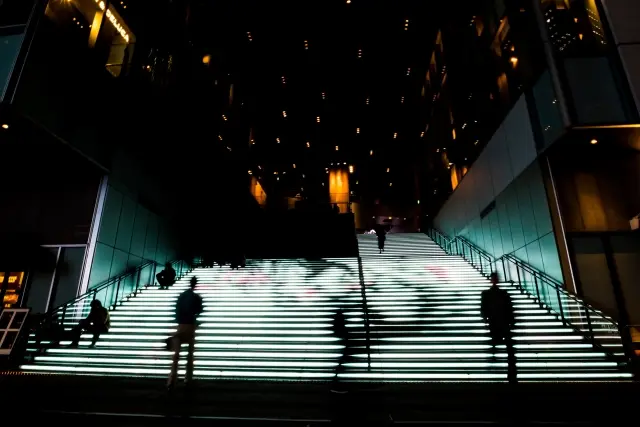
306	45
324	95
402	100
278	140
391	184
284	80
406	24
594	141
294	165
371	153
409	71
284	114
5	126
367	101
351	169
388	170
357	130
220	137
318	119
250	173
308	144
224	117
206	59
421	134
249	36
395	135
337	148
359	53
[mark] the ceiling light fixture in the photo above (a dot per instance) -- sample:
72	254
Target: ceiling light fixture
593	141
5	126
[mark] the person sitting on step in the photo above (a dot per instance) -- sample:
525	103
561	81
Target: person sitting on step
96	323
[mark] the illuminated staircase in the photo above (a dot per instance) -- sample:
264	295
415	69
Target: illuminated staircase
272	320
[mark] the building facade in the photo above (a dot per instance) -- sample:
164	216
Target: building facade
99	128
533	140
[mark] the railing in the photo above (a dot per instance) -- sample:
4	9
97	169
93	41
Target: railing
478	258
110	293
441	240
600	330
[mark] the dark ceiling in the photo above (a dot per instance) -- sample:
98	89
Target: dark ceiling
363	67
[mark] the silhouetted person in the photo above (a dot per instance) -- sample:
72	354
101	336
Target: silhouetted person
336	209
51	330
497	311
339	327
188	307
166	277
96	323
382	236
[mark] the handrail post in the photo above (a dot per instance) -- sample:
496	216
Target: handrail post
592	336
504	271
365	312
535	281
115	300
519	279
138	282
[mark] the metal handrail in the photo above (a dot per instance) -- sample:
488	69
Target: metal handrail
111	292
464	248
551	295
538	286
441	240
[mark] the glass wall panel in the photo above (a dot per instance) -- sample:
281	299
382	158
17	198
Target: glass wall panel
130	235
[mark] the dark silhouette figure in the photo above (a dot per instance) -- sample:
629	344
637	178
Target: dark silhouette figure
339	327
51	330
96	323
166	277
238	260
188	307
382	236
335	209
497	311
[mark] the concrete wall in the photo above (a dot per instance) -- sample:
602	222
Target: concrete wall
506	174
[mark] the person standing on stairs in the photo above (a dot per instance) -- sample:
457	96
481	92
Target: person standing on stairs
382	236
188	307
339	327
166	277
497	312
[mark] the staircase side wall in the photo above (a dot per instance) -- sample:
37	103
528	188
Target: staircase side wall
501	205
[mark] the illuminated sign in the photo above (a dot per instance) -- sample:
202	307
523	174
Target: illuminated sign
114	21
